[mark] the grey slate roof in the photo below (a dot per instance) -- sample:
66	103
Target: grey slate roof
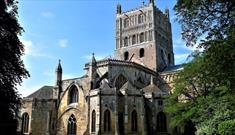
174	68
45	92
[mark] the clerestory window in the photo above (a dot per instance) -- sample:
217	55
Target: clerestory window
72	126
107	121
73	95
161	122
93	121
134	123
25	123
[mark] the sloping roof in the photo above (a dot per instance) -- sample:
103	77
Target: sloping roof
45	92
117	62
128	88
152	88
174	68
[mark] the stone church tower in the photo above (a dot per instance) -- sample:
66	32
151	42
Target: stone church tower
143	35
121	96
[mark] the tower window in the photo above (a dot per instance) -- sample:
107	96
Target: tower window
169	58
135	19
141	53
25	123
117	44
126	56
160	102
72	126
131	20
133	39
73	95
107	121
150	15
162	55
141	37
134	125
93	121
150	36
161	122
125	41
146	34
126	22
140	18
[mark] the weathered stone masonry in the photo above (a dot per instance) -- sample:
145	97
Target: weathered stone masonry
119	96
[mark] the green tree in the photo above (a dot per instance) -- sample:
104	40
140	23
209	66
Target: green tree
12	68
204	90
227	127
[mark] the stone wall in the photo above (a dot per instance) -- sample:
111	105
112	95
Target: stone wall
43	117
26	107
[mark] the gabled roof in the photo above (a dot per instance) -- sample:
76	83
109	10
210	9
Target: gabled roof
152	88
174	68
129	89
45	92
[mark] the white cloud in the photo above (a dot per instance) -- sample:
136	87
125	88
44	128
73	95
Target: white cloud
181	56
27	90
31	50
27	46
47	14
180	43
63	43
173	18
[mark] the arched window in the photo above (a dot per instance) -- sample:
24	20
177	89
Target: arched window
25	123
150	36
72	126
140	18
134	122
141	37
169	58
141	53
125	41
162	54
126	56
107	121
93	121
126	22
73	95
161	122
133	39
120	81
160	102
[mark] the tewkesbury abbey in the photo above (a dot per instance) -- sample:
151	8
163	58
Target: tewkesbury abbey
119	96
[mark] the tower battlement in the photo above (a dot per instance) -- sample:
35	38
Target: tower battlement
143	35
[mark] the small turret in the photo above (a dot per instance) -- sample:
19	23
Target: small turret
151	2
119	8
93	73
93	60
58	83
58	74
167	13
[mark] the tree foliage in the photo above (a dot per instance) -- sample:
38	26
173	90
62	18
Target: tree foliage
211	19
227	127
12	68
205	89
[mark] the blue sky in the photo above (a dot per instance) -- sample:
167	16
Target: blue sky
71	30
